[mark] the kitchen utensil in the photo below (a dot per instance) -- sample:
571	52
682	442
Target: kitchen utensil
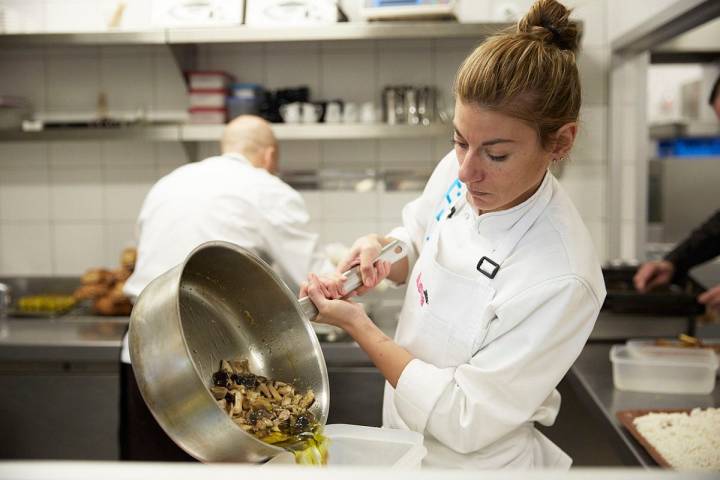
291	112
394	105
350	113
673	300
367	113
426	105
4	304
224	302
333	112
411	106
310	112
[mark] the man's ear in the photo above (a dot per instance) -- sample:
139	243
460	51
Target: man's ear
270	159
564	139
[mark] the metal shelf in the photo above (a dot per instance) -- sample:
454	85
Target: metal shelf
239	34
340	31
212	133
149	37
199	133
663	131
154	133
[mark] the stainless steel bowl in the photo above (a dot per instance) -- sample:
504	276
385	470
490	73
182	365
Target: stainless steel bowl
223	302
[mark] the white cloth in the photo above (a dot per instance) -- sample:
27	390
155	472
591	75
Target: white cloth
222	198
489	352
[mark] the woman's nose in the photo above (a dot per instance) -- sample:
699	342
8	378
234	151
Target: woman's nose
470	169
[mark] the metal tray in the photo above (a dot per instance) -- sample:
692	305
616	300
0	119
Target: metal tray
673	300
626	418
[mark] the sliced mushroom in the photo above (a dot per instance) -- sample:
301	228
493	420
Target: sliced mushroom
219	392
274	393
240	366
237	404
264	390
225	366
284	389
308	399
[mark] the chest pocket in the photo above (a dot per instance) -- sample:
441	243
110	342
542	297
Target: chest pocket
454	318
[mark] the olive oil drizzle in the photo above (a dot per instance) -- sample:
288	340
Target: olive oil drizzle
309	448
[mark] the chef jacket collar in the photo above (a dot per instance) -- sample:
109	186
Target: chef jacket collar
505	219
237	156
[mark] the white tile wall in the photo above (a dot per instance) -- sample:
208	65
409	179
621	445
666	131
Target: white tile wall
586	186
77	246
125	190
593	66
590	144
65	206
117	236
26	249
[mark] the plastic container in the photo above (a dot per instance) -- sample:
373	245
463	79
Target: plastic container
688	374
207	116
649	349
355	445
207	98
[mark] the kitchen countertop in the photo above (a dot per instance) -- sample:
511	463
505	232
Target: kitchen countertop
40	470
592	378
64	339
68	339
99	339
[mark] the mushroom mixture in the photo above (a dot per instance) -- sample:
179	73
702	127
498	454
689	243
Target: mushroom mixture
273	411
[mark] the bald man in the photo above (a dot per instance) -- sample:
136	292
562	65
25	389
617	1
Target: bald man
234	197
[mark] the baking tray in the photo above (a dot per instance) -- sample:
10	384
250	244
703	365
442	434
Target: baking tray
626	418
676	300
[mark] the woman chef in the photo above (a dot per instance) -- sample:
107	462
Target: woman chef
503	284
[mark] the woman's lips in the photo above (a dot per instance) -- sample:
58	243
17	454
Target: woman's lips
478	194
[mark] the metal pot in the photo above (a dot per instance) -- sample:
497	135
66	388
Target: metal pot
223	302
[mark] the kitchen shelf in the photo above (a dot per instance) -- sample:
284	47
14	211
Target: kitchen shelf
324	132
245	34
211	133
126	37
660	131
154	133
340	31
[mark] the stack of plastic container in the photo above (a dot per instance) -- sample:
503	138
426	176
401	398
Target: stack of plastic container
208	93
644	366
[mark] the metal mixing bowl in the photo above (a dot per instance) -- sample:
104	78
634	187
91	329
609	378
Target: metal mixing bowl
223	302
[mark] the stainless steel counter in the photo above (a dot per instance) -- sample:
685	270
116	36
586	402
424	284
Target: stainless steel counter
64	339
592	379
348	471
99	339
96	340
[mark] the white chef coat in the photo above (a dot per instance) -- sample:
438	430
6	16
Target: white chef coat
222	198
489	352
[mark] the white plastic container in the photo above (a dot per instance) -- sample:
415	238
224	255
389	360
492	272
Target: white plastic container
649	348
355	445
207	98
688	374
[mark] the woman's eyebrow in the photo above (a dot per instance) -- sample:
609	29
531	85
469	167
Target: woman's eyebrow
495	141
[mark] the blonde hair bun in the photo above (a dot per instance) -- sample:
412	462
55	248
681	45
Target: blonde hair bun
548	21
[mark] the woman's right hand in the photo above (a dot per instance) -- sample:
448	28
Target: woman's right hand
364	252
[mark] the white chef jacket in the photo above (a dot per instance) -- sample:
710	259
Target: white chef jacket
222	198
489	352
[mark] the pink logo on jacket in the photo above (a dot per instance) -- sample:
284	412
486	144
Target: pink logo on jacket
421	290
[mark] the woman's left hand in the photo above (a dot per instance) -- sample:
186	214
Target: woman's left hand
345	314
